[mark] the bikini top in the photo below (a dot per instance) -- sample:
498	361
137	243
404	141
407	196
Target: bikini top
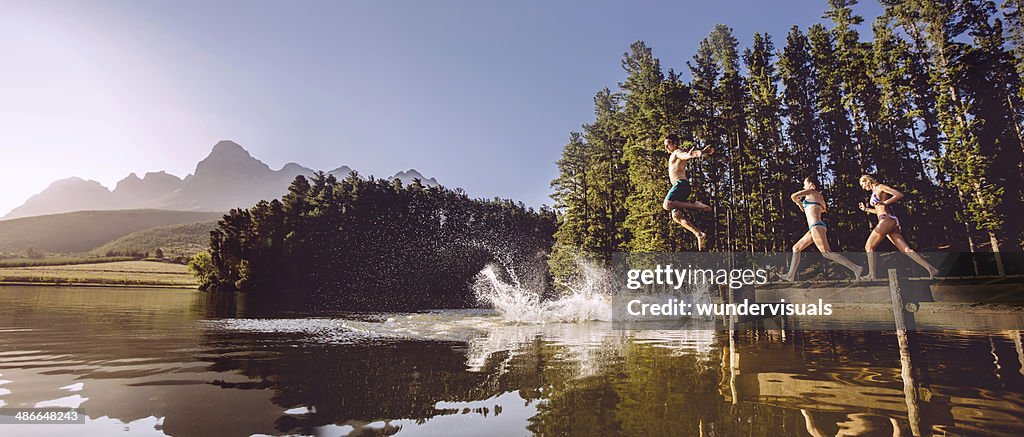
874	199
807	203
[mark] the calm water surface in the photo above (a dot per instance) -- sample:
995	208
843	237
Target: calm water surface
178	362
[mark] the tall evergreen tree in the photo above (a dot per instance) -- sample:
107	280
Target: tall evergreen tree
732	100
858	93
572	192
836	129
768	162
608	177
799	97
898	157
709	130
646	223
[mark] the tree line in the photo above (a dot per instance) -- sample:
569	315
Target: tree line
374	243
932	105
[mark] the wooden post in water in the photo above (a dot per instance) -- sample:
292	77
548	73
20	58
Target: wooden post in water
909	384
734	370
1015	336
901	315
904	319
733	318
734	356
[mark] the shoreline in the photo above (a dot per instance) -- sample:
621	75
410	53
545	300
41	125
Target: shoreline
52	283
115	274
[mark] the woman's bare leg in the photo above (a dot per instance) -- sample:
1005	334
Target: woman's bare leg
798	247
897	240
820	236
877	236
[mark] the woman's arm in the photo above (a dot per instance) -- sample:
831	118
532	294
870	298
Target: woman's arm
896	194
798	195
866	209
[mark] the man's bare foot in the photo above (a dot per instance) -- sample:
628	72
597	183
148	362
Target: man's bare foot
787	277
702	238
701	206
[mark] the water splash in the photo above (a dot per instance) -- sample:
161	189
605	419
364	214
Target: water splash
516	303
588	296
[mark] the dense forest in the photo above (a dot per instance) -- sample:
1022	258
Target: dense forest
360	244
931	105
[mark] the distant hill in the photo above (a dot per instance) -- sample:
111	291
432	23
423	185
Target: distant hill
410	175
229	177
175	241
82	231
69	194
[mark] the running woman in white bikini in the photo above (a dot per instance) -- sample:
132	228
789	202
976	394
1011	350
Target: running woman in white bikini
882	196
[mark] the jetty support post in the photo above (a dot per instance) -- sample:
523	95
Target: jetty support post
904	319
1015	337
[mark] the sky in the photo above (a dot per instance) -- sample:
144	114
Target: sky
479	94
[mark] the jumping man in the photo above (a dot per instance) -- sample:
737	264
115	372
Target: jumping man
676	199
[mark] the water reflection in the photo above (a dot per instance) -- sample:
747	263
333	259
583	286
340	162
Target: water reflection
183	363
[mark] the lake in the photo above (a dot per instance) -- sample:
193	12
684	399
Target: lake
184	363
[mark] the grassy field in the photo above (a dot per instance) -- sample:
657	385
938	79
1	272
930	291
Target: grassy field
61	260
176	241
112	273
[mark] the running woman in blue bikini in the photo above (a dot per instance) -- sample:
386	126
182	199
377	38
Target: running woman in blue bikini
677	198
813	203
882	196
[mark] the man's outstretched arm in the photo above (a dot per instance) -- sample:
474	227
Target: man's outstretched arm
693	153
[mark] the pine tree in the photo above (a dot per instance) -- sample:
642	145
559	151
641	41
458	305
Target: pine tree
608	177
991	83
769	161
647	224
898	156
859	95
836	129
708	129
571	196
1013	19
732	99
799	96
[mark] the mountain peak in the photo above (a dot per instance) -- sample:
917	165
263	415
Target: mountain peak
294	167
410	175
229	148
69	194
227	161
158	174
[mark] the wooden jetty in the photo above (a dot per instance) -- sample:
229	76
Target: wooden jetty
767	379
967	294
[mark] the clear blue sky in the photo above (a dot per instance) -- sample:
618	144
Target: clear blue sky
479	94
